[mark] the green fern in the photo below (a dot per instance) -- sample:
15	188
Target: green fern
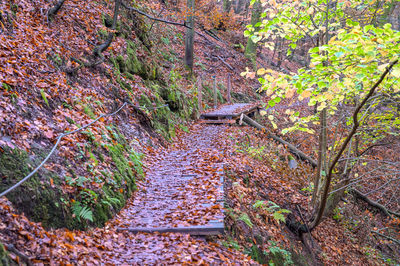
82	212
246	219
111	202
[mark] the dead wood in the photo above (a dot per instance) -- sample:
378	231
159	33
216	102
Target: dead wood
11	248
54	10
383	209
301	155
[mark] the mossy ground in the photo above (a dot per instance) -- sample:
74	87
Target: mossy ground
45	201
5	260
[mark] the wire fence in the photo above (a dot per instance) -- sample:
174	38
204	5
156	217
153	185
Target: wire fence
64	135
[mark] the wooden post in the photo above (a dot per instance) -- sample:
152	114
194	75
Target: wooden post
200	94
229	86
215	92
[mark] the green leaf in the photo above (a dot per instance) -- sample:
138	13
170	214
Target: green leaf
246	219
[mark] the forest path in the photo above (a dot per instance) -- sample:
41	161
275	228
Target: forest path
182	188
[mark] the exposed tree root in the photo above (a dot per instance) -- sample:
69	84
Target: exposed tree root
375	204
11	248
387	237
53	11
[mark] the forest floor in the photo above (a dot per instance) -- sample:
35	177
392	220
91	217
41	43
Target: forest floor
180	189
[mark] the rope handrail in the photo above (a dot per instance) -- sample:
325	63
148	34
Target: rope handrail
59	140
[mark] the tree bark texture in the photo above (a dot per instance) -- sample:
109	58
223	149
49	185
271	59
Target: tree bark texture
251	47
189	41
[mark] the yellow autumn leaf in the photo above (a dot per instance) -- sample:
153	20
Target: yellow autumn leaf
382	67
322	106
329	96
396	72
261	71
290	93
306	94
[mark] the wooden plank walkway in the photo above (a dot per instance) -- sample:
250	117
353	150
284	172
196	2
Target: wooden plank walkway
229	114
184	193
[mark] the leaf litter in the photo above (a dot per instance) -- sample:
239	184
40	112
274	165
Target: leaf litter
181	188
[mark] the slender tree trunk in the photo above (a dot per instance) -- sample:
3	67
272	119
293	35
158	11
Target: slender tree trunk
251	47
333	165
227	5
189	41
321	169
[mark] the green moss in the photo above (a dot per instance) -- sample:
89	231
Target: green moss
88	110
4	258
36	198
258	255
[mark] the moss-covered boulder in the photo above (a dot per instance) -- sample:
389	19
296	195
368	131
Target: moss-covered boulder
35	198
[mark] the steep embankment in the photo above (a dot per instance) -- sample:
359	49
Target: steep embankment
52	82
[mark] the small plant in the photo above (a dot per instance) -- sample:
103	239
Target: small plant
76	182
230	243
44	97
165	40
88	196
257	152
88	111
337	215
80	211
184	128
272	208
136	159
309	189
279	255
246	219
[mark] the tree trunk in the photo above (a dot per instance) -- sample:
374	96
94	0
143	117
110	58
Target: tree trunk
189	41
321	168
227	5
251	47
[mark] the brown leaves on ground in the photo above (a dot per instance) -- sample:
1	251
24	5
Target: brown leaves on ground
181	189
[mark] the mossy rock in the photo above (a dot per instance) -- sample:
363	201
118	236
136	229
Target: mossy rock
35	198
134	66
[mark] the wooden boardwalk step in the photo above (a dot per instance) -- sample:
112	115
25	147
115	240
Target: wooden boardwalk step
225	121
198	230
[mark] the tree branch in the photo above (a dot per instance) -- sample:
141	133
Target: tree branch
153	18
356	124
375	204
290	146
